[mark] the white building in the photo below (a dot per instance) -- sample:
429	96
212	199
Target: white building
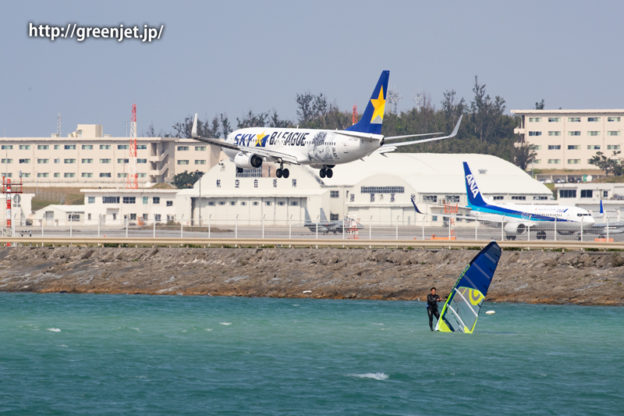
376	190
568	139
87	156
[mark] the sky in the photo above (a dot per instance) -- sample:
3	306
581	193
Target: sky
235	56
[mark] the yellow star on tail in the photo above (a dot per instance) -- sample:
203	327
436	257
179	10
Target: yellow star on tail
379	104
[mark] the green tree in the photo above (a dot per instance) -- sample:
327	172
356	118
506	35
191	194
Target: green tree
524	155
610	165
186	179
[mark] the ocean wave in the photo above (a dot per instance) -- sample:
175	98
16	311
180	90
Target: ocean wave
225	323
374	376
54	329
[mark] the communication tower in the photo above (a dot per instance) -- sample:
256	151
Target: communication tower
9	190
354	118
133	177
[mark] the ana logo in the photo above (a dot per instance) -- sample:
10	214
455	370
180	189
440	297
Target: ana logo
473	185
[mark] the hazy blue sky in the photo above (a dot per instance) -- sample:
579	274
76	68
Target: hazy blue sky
235	56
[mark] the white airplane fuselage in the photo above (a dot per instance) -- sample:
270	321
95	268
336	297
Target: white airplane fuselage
308	146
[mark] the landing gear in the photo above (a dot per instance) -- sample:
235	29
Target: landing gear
541	235
327	171
239	170
282	172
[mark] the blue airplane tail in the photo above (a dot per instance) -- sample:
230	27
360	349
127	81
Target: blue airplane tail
472	190
372	118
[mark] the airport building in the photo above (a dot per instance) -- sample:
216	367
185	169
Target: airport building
376	190
568	139
89	157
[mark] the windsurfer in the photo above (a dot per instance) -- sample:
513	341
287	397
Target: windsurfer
432	306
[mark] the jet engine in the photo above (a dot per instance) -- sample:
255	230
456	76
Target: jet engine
247	161
515	228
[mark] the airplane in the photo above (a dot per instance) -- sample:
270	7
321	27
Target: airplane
320	149
518	219
324	226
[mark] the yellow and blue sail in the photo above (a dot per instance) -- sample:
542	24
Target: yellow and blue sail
461	309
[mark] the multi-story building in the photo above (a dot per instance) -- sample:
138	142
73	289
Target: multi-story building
568	139
89	157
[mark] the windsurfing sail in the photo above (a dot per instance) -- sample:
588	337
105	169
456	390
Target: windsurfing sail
461	309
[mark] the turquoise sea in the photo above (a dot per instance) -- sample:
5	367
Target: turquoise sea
64	354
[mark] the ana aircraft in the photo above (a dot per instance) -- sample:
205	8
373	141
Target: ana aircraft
518	219
320	149
335	226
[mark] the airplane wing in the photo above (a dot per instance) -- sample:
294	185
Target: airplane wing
268	154
393	146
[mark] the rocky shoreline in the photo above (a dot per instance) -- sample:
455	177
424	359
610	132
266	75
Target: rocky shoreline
573	277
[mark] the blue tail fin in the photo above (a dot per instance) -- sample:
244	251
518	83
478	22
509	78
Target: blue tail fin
373	115
472	190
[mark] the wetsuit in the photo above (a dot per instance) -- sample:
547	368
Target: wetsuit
432	308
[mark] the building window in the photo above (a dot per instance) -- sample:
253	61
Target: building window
293	203
613	133
6	147
42	174
574	133
26	174
142	147
157	217
69	161
156	200
430	198
593	133
554	147
110	199
87	147
554	133
535	133
218	183
22	161
69	174
105	146
43	147
593	147
574	161
69	147
236	183
122	147
280	203
86	174
145	200
141	160
122	161
567	193
391	197
612	119
129	200
593	119
243	203
255	203
518	197
86	160
105	160
553	119
211	203
169	203
573	147
274	183
613	147
183	162
268	203
90	200
372	197
351	197
605	194
183	148
534	119
382	189
122	175
255	183
200	148
452	199
7	160
574	119
553	161
133	217
587	193
497	197
200	162
56	175
105	175
294	183
24	146
57	160
334	194
56	146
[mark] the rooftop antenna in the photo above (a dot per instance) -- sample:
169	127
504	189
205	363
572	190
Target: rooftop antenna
354	117
59	124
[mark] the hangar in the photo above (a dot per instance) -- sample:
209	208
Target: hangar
376	190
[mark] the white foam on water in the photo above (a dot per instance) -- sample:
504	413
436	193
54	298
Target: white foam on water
54	329
490	312
225	323
374	376
208	329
